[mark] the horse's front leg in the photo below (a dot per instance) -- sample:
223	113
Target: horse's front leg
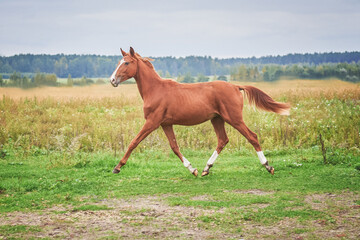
148	127
169	132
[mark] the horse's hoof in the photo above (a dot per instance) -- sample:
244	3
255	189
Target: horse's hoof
116	171
271	170
195	173
204	173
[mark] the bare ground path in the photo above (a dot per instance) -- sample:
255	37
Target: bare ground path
151	217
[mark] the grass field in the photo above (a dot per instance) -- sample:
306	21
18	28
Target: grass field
59	145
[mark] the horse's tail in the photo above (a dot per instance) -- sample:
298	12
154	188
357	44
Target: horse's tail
264	101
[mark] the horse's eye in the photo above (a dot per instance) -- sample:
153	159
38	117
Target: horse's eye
126	63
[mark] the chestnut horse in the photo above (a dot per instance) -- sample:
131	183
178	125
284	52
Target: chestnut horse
167	102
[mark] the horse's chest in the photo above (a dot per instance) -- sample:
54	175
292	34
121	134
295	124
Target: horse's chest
147	111
151	110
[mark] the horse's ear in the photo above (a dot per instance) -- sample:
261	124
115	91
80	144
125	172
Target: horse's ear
123	52
132	52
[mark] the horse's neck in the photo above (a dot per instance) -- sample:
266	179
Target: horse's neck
146	79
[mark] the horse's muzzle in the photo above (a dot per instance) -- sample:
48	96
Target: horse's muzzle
114	82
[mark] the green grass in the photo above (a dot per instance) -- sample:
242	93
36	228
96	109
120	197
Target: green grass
41	181
238	193
17	231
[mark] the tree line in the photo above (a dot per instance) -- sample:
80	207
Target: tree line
102	66
344	71
17	79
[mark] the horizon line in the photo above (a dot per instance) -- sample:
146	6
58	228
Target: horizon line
106	55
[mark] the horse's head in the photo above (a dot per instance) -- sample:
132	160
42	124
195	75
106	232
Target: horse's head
126	68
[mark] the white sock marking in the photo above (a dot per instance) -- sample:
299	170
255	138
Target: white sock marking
187	164
262	157
212	158
211	161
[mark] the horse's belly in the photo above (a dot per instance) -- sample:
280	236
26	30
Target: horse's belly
189	107
190	117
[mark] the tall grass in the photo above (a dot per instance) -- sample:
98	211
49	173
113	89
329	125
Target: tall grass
100	123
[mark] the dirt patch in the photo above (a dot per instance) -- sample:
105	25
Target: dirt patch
345	214
150	217
144	218
329	200
206	198
342	221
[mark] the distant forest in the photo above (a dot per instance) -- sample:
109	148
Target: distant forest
345	65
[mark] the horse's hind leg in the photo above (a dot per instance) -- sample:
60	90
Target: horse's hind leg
169	132
219	127
252	138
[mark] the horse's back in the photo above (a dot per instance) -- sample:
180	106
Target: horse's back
200	88
193	103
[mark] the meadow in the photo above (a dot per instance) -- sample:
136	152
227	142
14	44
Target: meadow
59	145
101	118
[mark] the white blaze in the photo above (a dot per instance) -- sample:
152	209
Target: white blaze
262	157
114	73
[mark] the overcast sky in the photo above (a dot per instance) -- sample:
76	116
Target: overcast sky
217	28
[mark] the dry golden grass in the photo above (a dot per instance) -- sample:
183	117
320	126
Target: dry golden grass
131	91
99	117
304	86
66	93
